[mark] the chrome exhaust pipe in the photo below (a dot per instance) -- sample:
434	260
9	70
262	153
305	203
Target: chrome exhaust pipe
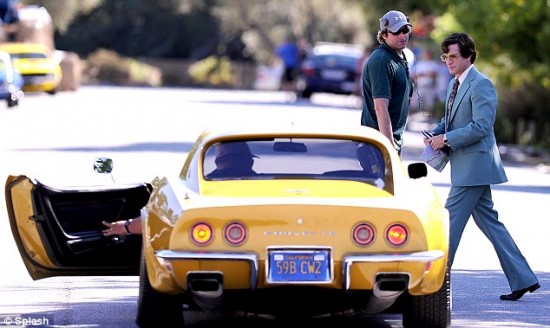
206	289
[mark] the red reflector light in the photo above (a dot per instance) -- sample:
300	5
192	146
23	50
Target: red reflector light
234	233
428	266
363	234
397	235
202	234
308	71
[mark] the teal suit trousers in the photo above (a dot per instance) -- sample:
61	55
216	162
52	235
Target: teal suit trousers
476	201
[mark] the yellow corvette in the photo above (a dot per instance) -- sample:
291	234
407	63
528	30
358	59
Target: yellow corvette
273	222
40	71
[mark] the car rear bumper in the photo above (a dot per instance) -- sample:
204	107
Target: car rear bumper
337	87
359	271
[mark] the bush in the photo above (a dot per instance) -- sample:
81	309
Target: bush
105	66
213	71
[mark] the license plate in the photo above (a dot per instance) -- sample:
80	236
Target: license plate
348	86
333	74
299	266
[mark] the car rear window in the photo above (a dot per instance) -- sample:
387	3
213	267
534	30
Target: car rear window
334	60
299	158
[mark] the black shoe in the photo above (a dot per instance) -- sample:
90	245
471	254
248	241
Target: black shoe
517	294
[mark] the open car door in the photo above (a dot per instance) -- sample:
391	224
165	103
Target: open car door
59	232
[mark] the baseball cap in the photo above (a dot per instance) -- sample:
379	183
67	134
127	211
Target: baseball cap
394	20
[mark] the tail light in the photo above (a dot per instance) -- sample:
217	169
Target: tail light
363	234
202	234
397	235
308	70
234	233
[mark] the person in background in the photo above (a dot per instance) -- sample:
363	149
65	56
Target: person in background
289	53
386	83
9	17
425	75
360	64
467	130
304	49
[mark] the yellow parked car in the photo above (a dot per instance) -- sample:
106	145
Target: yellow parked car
272	222
40	70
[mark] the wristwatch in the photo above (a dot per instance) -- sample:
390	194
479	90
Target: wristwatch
445	141
127	226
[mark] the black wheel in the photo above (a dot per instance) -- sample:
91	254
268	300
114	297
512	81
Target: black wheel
306	94
12	102
430	311
156	309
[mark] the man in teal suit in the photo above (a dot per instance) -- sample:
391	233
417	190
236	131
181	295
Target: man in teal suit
467	133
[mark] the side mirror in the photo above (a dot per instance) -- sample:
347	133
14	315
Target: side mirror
103	165
417	170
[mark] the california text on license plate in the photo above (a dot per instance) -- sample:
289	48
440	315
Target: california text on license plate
303	266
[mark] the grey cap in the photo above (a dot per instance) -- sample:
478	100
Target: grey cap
394	20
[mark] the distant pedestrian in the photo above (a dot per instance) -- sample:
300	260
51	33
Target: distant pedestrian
367	51
9	16
304	49
425	74
289	53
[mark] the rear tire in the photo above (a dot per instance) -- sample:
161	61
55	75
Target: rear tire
306	94
156	309
430	311
12	102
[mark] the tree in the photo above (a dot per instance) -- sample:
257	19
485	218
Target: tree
64	11
134	28
512	39
263	24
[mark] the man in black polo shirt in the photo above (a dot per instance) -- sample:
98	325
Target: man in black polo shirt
387	86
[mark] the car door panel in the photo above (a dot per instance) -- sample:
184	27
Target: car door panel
59	231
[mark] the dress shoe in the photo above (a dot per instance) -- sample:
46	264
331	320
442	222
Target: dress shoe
517	294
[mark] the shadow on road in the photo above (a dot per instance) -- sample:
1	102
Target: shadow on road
475	296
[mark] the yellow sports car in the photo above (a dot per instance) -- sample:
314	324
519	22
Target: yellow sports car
275	222
40	70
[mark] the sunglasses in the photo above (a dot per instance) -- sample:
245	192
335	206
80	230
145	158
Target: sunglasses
453	57
404	30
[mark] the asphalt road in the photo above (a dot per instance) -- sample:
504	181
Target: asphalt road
148	133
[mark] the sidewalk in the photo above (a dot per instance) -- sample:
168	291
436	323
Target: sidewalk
514	155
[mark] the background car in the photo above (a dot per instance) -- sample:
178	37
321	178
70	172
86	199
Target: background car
11	81
41	73
330	68
317	221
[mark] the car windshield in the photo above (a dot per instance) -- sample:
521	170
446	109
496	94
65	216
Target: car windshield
334	59
297	158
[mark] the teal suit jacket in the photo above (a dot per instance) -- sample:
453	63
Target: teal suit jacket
475	159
